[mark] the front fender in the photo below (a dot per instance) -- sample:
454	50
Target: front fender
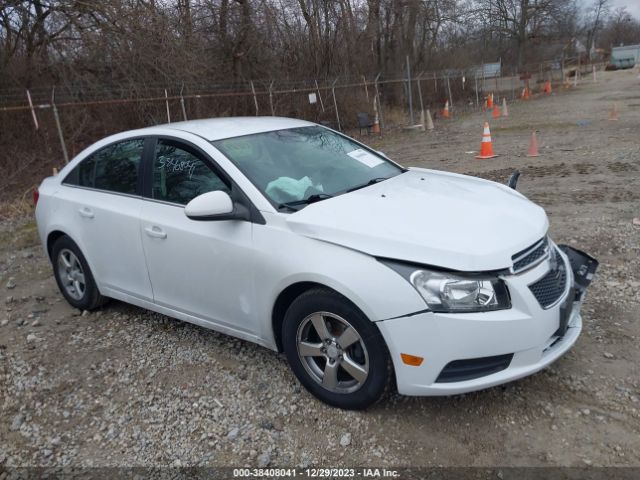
373	287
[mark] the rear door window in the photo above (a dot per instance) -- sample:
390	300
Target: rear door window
114	168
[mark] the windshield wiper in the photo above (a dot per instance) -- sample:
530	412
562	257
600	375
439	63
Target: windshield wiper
370	182
316	197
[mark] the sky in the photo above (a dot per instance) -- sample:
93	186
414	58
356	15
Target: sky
633	6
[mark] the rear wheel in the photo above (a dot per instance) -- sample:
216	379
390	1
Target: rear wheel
73	276
336	352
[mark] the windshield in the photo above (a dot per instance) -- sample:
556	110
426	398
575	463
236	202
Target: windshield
305	164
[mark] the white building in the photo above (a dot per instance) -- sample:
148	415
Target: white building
626	56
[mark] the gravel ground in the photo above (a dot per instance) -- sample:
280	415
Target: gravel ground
126	387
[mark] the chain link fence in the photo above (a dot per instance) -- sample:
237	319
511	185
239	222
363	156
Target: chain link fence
45	126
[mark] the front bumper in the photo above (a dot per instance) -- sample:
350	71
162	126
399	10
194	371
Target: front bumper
529	336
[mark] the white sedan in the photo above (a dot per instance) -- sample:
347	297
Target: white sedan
296	237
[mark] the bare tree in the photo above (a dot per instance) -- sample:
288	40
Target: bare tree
597	13
620	29
522	21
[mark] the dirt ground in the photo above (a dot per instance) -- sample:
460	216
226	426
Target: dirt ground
124	387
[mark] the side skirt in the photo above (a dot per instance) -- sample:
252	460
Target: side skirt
154	307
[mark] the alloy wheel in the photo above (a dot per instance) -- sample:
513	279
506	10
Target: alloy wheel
71	274
332	352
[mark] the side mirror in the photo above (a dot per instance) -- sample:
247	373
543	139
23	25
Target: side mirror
215	205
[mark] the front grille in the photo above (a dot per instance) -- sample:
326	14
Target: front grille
530	255
471	368
550	288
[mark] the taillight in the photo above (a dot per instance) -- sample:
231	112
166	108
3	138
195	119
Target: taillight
36	196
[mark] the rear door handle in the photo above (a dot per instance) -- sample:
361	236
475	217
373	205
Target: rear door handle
155	232
85	212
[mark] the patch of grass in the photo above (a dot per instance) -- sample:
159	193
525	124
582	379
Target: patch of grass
18	225
25	235
17	208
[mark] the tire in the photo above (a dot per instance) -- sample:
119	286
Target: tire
348	364
73	275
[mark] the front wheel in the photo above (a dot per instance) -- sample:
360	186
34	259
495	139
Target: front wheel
336	352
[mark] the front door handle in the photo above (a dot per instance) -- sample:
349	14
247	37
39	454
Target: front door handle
86	212
155	232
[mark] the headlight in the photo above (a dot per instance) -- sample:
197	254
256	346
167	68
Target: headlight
451	292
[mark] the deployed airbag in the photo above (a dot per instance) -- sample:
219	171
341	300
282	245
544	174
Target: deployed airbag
287	189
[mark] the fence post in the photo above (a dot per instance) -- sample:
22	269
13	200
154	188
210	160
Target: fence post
335	103
33	111
319	96
375	82
273	114
419	83
422	119
166	102
255	99
475	77
449	88
196	103
541	74
410	98
184	111
57	119
366	90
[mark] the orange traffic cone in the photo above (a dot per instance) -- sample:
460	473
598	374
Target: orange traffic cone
486	148
490	100
613	114
547	88
533	146
445	111
505	110
375	128
496	112
376	125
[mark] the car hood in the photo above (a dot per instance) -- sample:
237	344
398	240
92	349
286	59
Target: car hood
429	217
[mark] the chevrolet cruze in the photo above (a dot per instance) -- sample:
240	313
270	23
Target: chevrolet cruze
367	275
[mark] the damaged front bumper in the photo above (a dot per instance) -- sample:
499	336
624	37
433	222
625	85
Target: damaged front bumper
583	267
464	352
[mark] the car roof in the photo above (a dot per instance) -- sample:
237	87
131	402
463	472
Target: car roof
227	127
